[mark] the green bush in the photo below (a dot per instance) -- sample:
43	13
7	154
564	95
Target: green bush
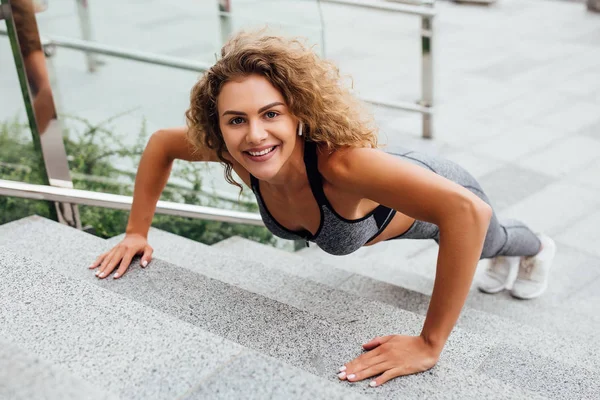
92	150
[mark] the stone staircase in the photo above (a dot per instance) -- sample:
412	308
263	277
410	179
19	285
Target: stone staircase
240	320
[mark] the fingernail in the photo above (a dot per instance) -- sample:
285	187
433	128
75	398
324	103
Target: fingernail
144	263
101	275
116	276
341	375
373	384
351	376
97	273
343	368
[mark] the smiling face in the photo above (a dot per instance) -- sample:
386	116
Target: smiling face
257	127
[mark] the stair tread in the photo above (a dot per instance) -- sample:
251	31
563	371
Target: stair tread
551	311
31	377
578	350
270	282
83	328
89	331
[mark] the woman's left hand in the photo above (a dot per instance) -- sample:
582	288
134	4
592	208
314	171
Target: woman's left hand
391	356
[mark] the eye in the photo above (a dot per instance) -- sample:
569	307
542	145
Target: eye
271	114
236	121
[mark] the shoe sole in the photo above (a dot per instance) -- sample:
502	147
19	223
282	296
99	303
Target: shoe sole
491	291
530	296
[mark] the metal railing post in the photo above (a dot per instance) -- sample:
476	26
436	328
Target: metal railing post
427	74
225	19
85	25
46	130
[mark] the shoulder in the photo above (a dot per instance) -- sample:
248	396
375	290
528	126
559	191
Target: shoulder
345	166
389	180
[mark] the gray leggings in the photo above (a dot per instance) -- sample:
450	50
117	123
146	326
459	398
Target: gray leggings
506	238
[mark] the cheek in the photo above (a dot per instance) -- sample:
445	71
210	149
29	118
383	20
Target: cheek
229	139
232	144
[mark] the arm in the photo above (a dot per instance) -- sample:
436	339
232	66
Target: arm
461	216
153	172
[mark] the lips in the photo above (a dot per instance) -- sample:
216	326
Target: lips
262	154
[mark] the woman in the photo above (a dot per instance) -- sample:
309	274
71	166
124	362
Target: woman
278	116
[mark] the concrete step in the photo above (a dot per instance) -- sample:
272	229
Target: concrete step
552	312
315	268
578	351
379	256
31	377
276	283
303	339
116	345
367	256
308	285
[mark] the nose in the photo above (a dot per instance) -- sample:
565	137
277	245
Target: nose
256	133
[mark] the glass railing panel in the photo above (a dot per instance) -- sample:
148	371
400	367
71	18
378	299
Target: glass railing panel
106	116
382	53
19	159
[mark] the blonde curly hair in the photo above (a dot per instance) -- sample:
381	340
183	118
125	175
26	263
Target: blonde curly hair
313	90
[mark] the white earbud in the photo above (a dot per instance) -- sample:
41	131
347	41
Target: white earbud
300	128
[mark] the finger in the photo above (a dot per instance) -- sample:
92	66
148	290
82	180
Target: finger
108	268
147	256
379	366
373	367
98	261
386	376
372	344
105	261
359	363
125	262
376	342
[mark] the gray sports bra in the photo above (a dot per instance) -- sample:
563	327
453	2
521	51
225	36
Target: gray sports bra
336	234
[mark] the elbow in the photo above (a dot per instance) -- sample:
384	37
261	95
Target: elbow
480	213
472	210
488	212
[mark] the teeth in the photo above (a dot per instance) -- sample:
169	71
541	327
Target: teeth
261	153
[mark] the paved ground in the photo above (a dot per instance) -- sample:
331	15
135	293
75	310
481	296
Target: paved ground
517	95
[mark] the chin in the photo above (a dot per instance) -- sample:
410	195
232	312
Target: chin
265	174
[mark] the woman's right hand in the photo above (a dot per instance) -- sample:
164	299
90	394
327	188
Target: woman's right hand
122	254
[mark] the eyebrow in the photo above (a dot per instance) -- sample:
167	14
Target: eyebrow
275	103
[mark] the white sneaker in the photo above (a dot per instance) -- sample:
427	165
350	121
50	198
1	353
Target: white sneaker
496	277
532	279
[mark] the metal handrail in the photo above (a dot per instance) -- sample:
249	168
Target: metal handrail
120	202
414	2
425	110
402	8
49	42
134	55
